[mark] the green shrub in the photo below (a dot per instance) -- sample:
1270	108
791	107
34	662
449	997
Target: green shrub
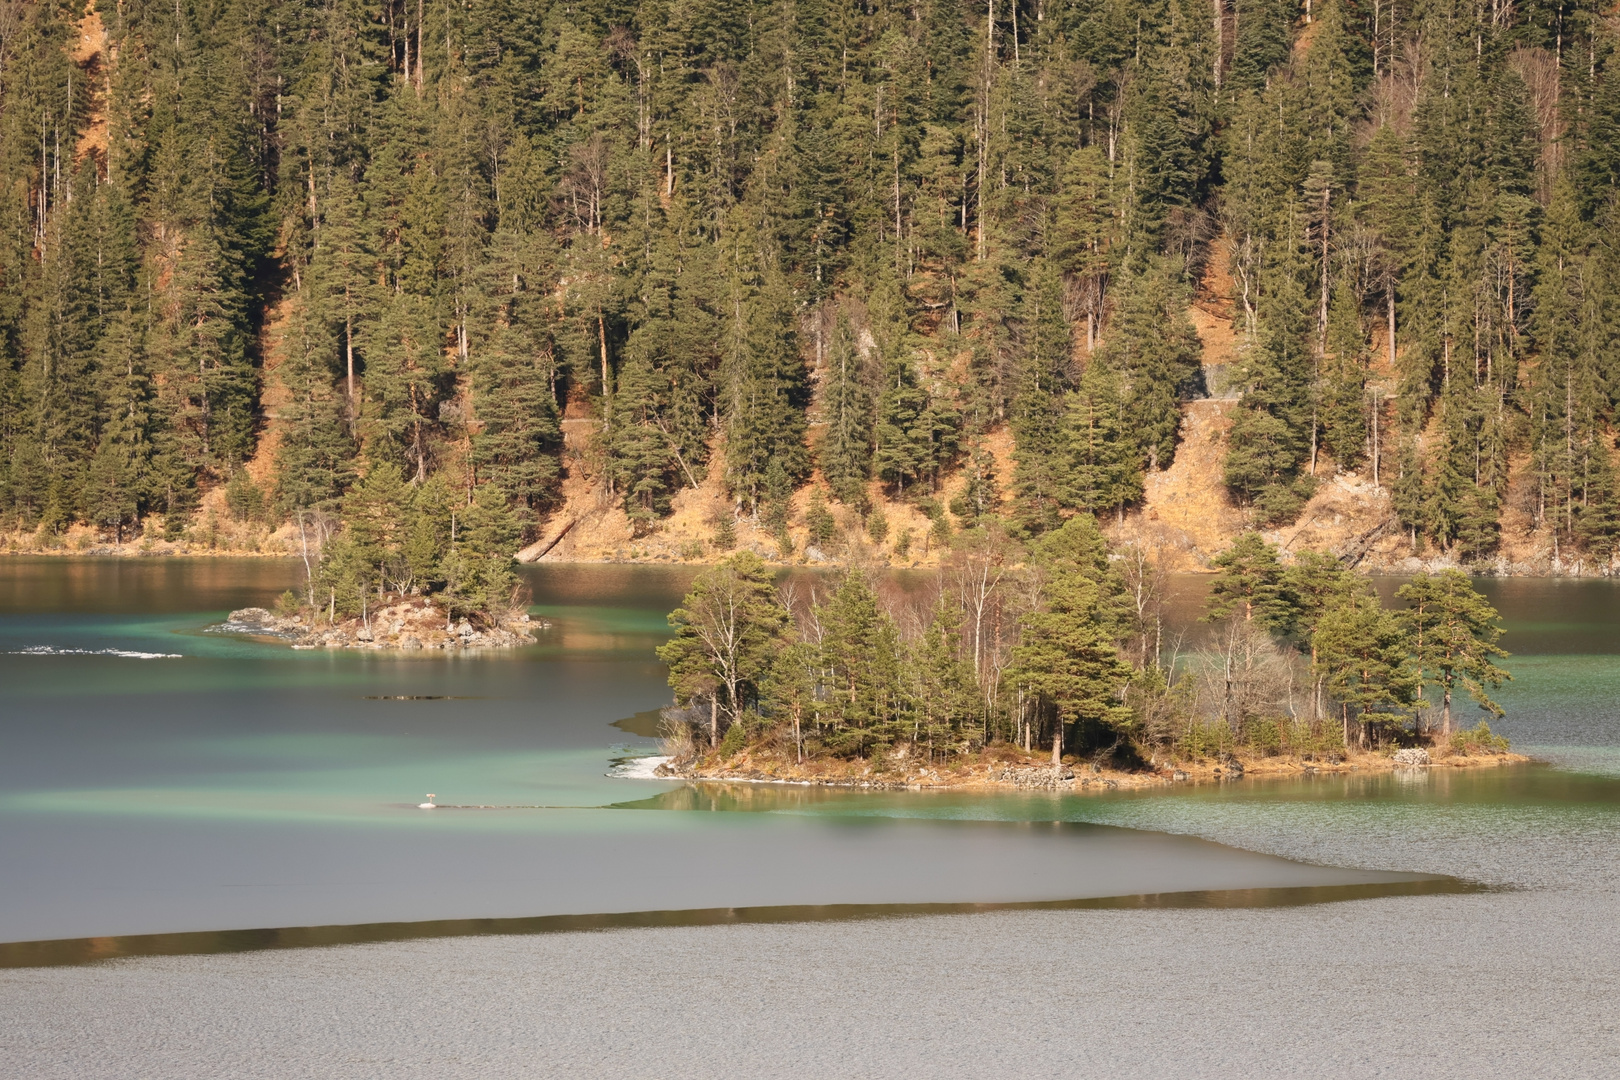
823	527
1202	740
1478	740
243	498
736	738
1280	504
877	525
1265	736
725	532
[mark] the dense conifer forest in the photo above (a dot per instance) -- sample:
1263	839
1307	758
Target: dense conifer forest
387	245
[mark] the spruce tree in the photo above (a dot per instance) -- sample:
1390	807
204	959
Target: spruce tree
1250	583
903	435
1104	472
1270	437
845	452
862	677
1453	633
1067	658
1360	652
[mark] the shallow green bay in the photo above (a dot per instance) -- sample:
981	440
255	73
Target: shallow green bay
159	778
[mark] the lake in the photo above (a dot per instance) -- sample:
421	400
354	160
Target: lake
159	779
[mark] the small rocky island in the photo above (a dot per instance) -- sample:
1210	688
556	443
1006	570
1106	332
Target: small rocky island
409	624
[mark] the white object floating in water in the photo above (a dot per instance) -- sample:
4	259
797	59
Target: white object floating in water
430	804
52	650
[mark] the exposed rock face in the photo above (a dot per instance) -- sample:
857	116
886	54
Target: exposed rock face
260	623
412	624
1412	756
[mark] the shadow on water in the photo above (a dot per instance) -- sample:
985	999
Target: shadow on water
72	951
647	724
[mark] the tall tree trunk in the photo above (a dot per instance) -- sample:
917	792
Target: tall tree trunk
348	356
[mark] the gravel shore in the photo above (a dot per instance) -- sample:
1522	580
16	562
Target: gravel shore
1522	982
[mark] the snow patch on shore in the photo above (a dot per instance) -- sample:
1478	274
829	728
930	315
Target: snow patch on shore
637	768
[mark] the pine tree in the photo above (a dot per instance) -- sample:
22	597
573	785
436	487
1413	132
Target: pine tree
1361	654
519	436
1264	36
845	452
1453	632
862	677
1250	582
1104	473
1153	347
1269	441
904	436
766	393
315	459
1067	658
1342	391
946	697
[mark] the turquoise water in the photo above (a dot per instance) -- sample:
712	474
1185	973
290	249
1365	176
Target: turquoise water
159	778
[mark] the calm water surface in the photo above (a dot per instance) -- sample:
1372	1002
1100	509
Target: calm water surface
156	778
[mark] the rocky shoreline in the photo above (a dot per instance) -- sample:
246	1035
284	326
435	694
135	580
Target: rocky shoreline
411	625
1032	775
1500	566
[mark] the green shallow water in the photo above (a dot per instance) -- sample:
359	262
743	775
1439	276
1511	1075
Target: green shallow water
156	778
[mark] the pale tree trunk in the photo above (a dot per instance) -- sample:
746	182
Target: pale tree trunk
714	720
348	350
1057	742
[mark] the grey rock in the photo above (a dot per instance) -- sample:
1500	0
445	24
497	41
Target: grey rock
1036	777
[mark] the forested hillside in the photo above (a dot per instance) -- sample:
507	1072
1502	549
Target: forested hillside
381	249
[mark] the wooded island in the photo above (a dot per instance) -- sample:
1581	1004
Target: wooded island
1061	644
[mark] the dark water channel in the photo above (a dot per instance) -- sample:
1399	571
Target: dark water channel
157	779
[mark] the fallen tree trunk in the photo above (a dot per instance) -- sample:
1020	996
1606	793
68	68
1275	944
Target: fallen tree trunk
537	550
